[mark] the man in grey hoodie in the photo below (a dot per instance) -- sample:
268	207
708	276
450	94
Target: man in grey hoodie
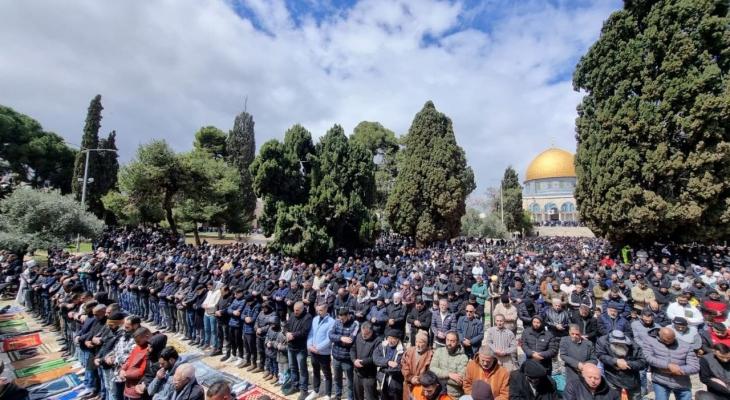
672	363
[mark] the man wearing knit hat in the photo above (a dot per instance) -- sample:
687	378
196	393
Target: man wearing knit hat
532	381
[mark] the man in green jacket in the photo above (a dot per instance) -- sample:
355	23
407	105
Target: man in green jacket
449	364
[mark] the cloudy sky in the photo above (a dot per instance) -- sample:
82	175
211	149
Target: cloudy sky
501	69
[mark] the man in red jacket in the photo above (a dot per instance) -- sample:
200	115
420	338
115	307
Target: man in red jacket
133	370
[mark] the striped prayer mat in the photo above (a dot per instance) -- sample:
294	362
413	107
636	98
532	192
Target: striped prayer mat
29	352
36	360
12	322
44	376
21	342
19	328
40	368
54	387
10	317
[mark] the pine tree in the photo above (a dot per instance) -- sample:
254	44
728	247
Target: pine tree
241	150
511	199
653	130
90	140
428	199
108	170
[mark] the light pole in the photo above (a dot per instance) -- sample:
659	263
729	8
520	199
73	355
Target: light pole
83	186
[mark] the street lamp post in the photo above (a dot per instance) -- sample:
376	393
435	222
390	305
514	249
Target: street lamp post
83	187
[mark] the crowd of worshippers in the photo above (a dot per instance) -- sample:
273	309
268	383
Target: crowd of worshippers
394	321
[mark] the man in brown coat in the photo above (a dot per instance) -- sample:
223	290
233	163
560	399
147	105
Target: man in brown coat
415	362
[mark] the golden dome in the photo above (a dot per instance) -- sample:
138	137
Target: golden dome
551	163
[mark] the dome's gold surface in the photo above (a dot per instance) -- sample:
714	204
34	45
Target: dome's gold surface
551	163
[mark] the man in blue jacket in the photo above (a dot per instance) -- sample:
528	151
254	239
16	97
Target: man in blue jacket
320	348
248	315
471	331
235	335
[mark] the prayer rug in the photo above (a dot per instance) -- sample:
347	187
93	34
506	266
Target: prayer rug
257	392
22	342
12	322
36	359
54	387
21	328
23	354
40	368
69	395
206	375
11	317
44	376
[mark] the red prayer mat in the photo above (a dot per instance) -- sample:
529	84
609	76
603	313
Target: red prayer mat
257	392
22	342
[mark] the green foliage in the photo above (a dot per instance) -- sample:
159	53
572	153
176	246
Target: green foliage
90	140
428	199
511	198
154	177
33	219
107	171
34	156
478	223
383	144
343	190
212	193
318	198
211	140
653	153
280	174
241	149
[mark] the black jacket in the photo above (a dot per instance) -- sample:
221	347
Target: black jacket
589	325
299	326
424	316
628	379
519	387
577	389
363	351
542	342
398	313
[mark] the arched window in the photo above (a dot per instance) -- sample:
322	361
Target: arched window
534	208
567	207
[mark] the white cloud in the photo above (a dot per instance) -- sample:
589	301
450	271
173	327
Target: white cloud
165	68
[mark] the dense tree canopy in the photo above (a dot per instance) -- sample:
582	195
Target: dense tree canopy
384	146
428	199
34	219
653	130
154	177
211	140
34	156
511	198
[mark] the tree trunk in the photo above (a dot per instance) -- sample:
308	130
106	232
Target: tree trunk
168	212
220	232
195	233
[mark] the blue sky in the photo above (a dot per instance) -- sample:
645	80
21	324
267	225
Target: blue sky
500	69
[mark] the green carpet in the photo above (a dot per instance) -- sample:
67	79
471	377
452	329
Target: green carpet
37	369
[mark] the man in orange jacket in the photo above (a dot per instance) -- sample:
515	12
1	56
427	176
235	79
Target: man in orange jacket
429	389
484	367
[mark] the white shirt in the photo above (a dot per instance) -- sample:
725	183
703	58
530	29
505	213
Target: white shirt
691	314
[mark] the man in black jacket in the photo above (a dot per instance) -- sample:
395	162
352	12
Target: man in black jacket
533	382
362	358
714	372
539	344
297	329
622	361
419	319
589	386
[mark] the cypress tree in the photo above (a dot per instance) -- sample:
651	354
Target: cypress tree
90	140
428	198
108	170
512	201
653	153
241	150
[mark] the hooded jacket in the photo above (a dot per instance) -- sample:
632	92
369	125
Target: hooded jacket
628	379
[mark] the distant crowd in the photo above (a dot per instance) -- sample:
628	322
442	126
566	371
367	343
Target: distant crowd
535	318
